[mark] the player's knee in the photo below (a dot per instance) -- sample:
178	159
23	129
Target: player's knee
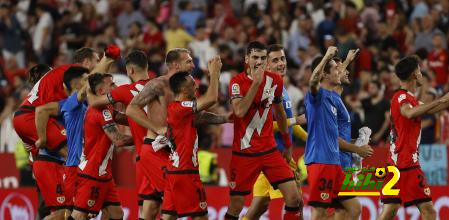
115	213
76	215
354	212
428	212
292	199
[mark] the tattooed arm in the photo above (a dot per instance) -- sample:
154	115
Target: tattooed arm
202	118
117	138
120	118
152	90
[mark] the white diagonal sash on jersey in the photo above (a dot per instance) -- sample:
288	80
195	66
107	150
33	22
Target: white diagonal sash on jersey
258	122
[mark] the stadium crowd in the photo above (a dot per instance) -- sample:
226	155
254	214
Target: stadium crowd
49	31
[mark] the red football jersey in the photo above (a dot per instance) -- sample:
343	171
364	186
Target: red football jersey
124	94
254	132
182	135
50	88
405	134
438	62
98	149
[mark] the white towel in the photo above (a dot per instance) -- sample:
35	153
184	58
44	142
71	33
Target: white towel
362	140
160	142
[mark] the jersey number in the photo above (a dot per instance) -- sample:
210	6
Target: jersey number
33	93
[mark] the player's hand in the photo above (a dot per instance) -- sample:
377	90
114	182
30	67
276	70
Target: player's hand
258	74
365	151
288	152
445	98
40	143
161	131
352	54
230	117
27	147
214	66
331	52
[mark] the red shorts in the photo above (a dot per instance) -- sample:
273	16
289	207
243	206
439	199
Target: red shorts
245	168
95	194
412	185
139	180
184	194
24	124
325	181
70	184
49	174
152	168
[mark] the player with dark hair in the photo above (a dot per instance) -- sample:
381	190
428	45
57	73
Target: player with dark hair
96	187
405	137
184	114
72	111
154	97
137	69
37	72
263	192
253	94
323	106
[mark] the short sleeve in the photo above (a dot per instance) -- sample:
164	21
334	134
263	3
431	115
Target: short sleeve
235	90
117	95
105	118
279	89
61	105
403	99
71	103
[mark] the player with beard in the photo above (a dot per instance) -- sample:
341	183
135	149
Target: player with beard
155	97
263	192
137	69
406	111
254	93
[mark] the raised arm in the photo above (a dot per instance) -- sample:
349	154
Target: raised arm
241	105
314	82
43	113
444	104
117	138
211	96
103	66
352	54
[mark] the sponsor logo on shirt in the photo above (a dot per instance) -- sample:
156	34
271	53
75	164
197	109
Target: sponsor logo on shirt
187	104
401	97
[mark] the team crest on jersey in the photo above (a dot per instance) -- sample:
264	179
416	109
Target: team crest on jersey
90	202
203	205
401	97
64	132
60	199
324	196
235	89
232	185
107	115
427	191
187	104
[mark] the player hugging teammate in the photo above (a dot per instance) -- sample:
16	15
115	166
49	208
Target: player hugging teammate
70	123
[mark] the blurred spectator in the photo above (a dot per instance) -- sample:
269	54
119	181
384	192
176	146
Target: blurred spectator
438	60
377	111
299	40
175	36
12	36
188	17
420	9
128	16
425	34
41	33
429	121
207	160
